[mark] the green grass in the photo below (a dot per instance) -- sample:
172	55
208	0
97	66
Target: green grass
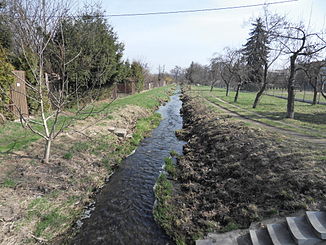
306	95
68	156
230	227
103	144
163	211
144	125
310	119
148	99
50	218
14	137
163	193
169	166
81	146
9	183
173	153
143	128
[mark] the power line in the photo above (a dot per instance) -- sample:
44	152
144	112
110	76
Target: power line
197	10
183	11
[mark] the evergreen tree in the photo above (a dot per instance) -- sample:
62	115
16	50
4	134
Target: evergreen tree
137	73
6	79
92	52
5	31
256	51
124	71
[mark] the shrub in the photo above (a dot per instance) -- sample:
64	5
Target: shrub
6	79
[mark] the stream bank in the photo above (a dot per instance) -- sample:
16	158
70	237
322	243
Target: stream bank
40	202
232	175
123	212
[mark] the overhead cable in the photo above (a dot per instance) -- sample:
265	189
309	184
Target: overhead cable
198	10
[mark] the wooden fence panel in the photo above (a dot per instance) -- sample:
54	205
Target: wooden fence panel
127	87
18	95
114	94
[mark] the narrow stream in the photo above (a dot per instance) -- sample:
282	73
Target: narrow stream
123	211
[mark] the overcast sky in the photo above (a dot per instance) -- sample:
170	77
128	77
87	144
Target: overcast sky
179	39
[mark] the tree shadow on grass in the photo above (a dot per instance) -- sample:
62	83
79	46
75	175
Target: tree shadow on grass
317	118
16	146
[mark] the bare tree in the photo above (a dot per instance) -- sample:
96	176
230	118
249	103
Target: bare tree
311	70
214	72
197	73
233	69
177	73
224	64
298	41
190	73
220	68
240	76
36	23
161	72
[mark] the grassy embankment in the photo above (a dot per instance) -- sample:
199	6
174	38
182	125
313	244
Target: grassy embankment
14	137
232	175
49	198
309	120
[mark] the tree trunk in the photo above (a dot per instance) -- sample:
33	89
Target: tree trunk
314	100
227	89
314	84
237	93
258	95
322	90
291	95
262	89
47	151
212	86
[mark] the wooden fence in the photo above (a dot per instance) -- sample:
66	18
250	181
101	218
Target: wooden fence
18	93
114	93
127	87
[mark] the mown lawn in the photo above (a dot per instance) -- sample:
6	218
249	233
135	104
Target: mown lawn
14	137
310	119
303	95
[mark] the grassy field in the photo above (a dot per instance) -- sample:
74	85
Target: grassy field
310	120
302	95
14	137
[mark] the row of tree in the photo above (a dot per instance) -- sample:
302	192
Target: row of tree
66	56
272	37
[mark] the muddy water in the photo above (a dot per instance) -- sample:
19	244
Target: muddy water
123	211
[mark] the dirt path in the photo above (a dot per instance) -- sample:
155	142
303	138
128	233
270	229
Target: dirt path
283	131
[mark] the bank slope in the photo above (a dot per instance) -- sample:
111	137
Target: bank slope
232	175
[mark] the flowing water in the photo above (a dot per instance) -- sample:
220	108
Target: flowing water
124	209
